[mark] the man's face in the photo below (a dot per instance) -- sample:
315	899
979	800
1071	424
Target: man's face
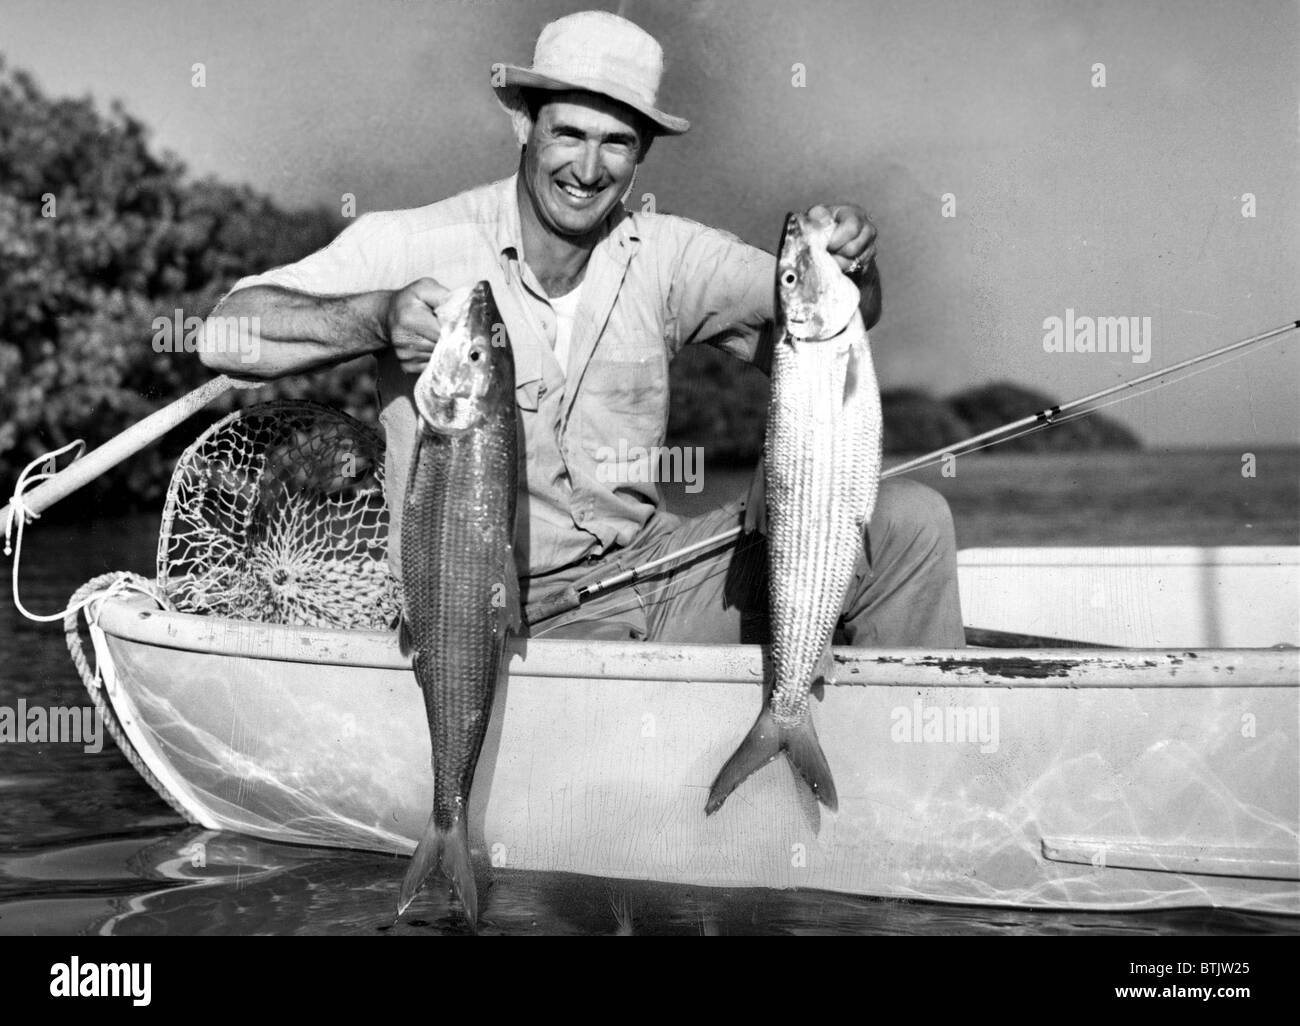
582	152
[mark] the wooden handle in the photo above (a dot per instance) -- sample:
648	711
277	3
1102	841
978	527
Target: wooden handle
121	446
553	606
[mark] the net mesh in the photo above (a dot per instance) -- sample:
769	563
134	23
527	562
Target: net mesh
276	514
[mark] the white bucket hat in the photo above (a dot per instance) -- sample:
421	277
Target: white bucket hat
597	52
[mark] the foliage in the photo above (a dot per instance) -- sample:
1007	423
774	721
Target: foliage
99	236
918	423
991	406
718	403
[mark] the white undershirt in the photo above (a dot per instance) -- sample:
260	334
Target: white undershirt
566	308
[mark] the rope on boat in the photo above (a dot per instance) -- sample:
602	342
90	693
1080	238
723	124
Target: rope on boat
88	599
20	515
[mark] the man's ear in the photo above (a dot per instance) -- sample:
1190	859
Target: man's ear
523	124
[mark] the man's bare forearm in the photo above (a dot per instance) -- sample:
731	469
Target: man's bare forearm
287	332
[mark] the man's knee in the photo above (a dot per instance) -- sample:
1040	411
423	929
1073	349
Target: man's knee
914	514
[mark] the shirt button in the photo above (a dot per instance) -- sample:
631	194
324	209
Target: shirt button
541	391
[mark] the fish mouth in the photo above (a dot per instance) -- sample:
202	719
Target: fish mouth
470	368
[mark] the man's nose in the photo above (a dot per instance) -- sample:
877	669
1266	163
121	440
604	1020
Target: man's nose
588	165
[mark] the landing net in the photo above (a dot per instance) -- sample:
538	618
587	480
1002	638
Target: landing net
276	514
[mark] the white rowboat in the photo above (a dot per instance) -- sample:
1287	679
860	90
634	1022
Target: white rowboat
1162	773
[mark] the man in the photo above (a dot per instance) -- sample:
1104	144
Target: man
596	301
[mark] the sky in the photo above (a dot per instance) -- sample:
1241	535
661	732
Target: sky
1117	200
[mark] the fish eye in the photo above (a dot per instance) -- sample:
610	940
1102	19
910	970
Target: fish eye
476	355
788	279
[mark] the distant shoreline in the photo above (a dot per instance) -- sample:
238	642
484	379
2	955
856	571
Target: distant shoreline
1152	497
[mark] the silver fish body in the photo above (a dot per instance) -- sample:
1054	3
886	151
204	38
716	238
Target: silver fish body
822	465
460	591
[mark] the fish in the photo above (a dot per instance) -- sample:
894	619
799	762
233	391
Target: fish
822	462
460	591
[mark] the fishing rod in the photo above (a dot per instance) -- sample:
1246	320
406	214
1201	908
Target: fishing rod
571	597
1048	416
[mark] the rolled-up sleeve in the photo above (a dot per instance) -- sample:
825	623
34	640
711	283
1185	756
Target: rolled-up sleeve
362	258
721	292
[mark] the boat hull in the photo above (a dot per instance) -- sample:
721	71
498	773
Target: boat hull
1069	779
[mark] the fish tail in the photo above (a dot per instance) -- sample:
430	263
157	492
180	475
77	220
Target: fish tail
804	751
761	745
446	851
765	741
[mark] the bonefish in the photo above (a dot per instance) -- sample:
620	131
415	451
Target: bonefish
822	472
459	587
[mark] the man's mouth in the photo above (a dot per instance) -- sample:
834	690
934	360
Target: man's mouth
577	193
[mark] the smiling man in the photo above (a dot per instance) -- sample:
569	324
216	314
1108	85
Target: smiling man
597	300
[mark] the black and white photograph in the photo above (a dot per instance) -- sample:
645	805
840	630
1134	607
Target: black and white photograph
650	468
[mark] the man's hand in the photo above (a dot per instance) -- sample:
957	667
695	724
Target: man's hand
411	323
853	245
854	238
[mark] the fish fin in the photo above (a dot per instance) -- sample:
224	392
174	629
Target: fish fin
765	741
825	672
761	745
446	851
804	751
405	642
850	376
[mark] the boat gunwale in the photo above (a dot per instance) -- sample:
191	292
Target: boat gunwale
136	619
1147	557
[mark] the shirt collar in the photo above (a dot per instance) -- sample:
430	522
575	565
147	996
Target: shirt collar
509	236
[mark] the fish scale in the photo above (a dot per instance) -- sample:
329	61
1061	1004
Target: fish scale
457	482
817	504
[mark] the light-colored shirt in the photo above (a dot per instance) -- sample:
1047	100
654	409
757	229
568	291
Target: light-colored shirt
566	310
654	283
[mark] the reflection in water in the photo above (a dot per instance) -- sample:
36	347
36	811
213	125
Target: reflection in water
201	882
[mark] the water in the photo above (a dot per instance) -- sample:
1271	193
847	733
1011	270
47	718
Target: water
87	847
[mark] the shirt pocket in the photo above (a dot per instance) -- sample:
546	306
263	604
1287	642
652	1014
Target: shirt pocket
625	389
